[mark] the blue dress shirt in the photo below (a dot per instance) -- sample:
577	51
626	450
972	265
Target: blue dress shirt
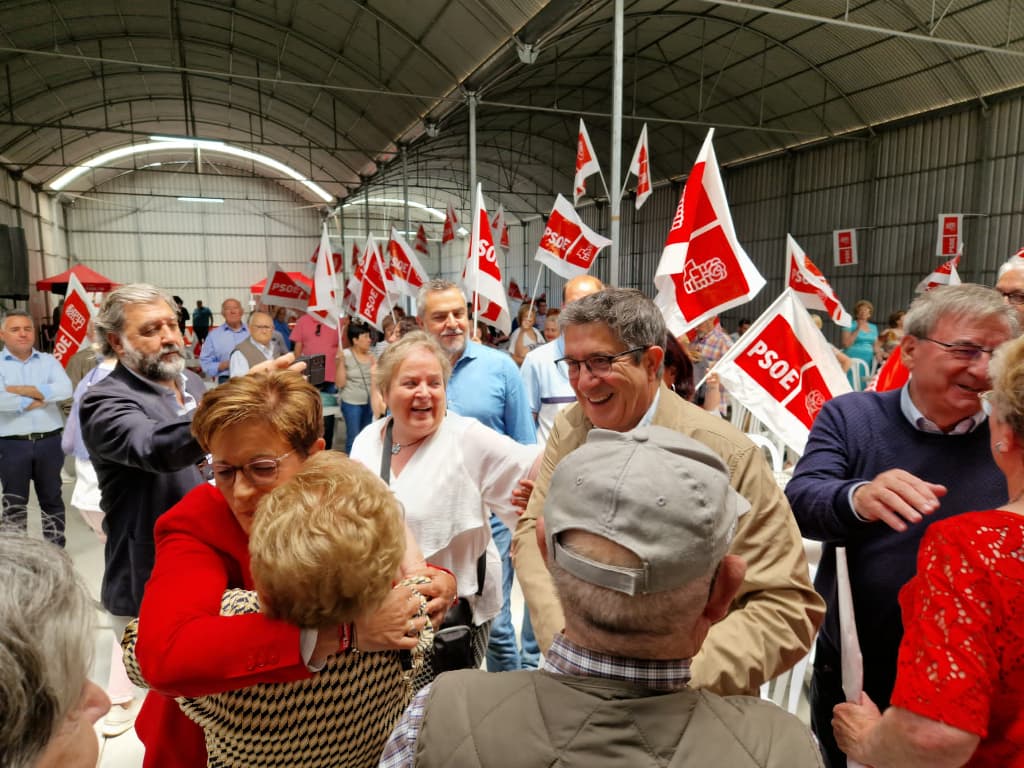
486	385
218	347
43	372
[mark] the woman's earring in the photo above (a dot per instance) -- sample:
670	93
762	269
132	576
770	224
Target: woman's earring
1000	447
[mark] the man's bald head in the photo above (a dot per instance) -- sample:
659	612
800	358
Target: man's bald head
580	286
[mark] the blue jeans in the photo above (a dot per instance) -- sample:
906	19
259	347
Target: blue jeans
357	418
503	655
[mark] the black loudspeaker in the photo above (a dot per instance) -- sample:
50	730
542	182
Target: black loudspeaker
13	263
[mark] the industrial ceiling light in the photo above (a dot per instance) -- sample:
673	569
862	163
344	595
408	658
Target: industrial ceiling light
164	143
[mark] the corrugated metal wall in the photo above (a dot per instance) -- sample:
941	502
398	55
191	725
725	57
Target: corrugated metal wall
135	229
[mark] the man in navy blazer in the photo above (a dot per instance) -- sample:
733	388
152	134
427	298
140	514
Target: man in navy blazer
136	424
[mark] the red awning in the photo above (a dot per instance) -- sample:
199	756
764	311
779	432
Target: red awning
92	281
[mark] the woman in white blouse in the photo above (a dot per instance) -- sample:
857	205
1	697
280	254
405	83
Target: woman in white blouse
447	470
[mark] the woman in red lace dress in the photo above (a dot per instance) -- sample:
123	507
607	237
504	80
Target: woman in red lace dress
959	695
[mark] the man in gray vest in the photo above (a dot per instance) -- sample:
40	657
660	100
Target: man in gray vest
261	345
636	529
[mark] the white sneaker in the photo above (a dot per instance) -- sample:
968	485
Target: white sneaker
120	718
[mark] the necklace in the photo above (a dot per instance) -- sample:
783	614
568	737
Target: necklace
396	448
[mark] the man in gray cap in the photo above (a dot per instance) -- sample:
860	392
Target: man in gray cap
637	526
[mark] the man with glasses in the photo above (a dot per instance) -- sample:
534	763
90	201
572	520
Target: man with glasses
880	467
1011	283
613	358
215	356
261	345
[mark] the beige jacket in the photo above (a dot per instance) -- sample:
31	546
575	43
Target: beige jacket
776	613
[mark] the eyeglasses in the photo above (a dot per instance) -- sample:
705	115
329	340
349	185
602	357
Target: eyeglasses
986	398
962	350
598	365
258	471
1013	297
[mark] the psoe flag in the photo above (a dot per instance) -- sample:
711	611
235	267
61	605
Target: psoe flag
74	321
586	164
811	286
945	274
450	223
372	300
405	267
783	370
482	275
704	269
640	167
281	290
568	246
323	301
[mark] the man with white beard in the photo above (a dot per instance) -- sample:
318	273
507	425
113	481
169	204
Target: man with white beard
136	424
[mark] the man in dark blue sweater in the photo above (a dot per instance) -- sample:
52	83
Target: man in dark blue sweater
880	467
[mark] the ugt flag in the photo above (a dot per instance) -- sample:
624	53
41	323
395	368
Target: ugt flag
783	370
568	246
811	286
72	333
703	269
323	300
406	269
482	276
282	290
640	167
946	274
586	164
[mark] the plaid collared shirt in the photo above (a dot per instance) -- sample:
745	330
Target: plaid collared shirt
713	345
564	658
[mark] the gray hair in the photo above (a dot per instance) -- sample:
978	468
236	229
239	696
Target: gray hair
110	318
630	315
434	286
1014	262
968	300
396	353
46	644
15	313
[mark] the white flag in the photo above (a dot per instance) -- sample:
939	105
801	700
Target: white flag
568	246
323	301
482	276
404	267
586	164
640	166
811	286
703	270
783	370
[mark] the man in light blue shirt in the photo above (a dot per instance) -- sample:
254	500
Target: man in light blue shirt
32	383
485	384
215	358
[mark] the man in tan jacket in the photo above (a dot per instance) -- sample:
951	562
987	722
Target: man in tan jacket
613	354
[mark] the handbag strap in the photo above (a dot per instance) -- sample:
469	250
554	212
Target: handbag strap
385	475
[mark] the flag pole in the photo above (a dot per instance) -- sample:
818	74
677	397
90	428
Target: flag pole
536	285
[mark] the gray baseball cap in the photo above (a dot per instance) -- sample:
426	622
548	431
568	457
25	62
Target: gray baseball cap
663	496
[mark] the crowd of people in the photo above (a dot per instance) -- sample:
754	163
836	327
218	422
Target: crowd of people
287	602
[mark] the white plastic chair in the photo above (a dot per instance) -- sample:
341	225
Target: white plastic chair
860	373
765	442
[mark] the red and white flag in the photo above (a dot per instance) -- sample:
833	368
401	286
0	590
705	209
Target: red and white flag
450	225
586	164
783	370
844	247
514	291
499	228
949	241
945	274
640	167
372	301
568	247
810	285
404	266
72	332
323	300
282	290
704	269
353	282
420	246
482	276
